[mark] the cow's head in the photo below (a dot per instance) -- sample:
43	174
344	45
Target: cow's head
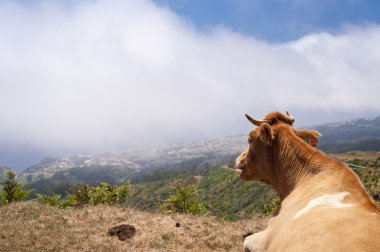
256	162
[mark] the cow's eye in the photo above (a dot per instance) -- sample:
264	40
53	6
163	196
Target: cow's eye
250	140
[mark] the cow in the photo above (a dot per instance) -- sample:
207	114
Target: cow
324	206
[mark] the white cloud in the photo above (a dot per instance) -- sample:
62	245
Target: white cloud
104	73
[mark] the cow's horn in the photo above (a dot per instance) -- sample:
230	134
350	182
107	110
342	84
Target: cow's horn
291	117
254	121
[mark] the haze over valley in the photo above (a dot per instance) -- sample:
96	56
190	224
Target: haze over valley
353	135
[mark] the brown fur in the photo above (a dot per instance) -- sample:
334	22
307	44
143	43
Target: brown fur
277	155
310	136
275	117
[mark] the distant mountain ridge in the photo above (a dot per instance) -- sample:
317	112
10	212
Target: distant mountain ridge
359	134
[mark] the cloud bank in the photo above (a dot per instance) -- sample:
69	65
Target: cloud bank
89	75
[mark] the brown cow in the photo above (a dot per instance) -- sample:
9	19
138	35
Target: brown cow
324	206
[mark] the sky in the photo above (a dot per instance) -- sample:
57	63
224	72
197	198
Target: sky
89	76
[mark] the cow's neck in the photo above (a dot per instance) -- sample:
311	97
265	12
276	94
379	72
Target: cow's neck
292	163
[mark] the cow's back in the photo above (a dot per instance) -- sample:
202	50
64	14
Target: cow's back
327	229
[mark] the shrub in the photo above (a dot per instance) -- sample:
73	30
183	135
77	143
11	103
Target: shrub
184	199
68	202
79	195
12	188
103	193
54	200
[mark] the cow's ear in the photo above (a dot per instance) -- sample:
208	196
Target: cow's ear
310	136
266	134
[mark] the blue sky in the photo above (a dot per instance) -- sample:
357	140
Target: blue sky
91	76
277	20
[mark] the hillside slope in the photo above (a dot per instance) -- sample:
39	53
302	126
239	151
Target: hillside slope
30	226
227	196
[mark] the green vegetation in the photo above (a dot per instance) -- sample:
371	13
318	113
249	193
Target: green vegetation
224	194
12	188
85	194
370	178
184	199
230	198
54	200
47	186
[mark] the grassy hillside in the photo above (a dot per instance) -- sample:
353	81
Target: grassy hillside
226	195
223	192
30	226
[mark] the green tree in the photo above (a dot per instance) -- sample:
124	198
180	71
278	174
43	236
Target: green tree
184	199
12	188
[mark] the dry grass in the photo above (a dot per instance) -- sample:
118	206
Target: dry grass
362	155
31	226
